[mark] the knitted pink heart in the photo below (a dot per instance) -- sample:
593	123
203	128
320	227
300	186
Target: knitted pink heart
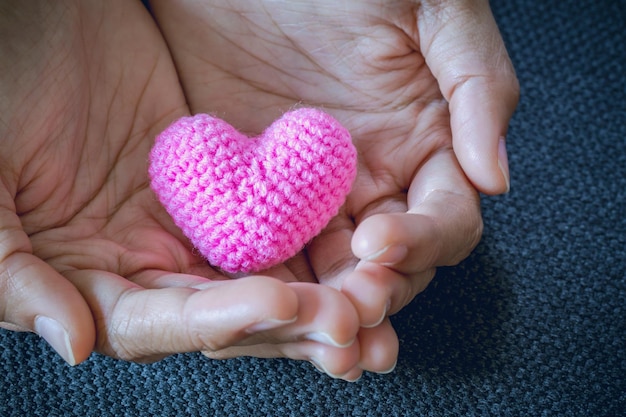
250	203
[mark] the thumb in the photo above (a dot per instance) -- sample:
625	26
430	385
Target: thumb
35	297
466	54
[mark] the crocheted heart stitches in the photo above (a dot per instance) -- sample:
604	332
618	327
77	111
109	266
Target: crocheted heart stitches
250	203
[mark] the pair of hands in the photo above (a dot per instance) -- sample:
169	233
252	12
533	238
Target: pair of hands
89	259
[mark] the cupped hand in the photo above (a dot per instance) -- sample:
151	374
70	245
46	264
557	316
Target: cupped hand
426	89
88	258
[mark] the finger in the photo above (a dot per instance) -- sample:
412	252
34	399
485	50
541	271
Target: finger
466	54
35	297
379	348
324	333
442	226
148	324
410	242
377	291
400	251
324	315
376	350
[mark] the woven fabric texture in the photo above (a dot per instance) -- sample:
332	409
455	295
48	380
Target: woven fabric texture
250	203
533	323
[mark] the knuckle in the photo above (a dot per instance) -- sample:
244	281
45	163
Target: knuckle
110	342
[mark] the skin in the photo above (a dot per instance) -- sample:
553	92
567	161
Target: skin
425	88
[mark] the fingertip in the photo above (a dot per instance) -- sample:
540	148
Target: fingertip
479	120
370	289
388	255
38	298
326	316
392	239
379	348
57	337
281	299
338	363
81	331
247	305
353	375
485	163
374	239
67	324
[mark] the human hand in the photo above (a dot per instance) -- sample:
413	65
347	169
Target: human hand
426	89
88	257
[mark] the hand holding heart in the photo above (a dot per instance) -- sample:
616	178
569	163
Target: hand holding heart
423	91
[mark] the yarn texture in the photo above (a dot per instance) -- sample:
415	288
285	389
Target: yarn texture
247	204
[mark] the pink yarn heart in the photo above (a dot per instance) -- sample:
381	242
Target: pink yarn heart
250	203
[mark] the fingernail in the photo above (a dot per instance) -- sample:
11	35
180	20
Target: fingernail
503	162
318	365
56	336
382	317
390	370
356	379
325	339
268	325
390	254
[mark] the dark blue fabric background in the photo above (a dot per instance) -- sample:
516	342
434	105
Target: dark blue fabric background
533	323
